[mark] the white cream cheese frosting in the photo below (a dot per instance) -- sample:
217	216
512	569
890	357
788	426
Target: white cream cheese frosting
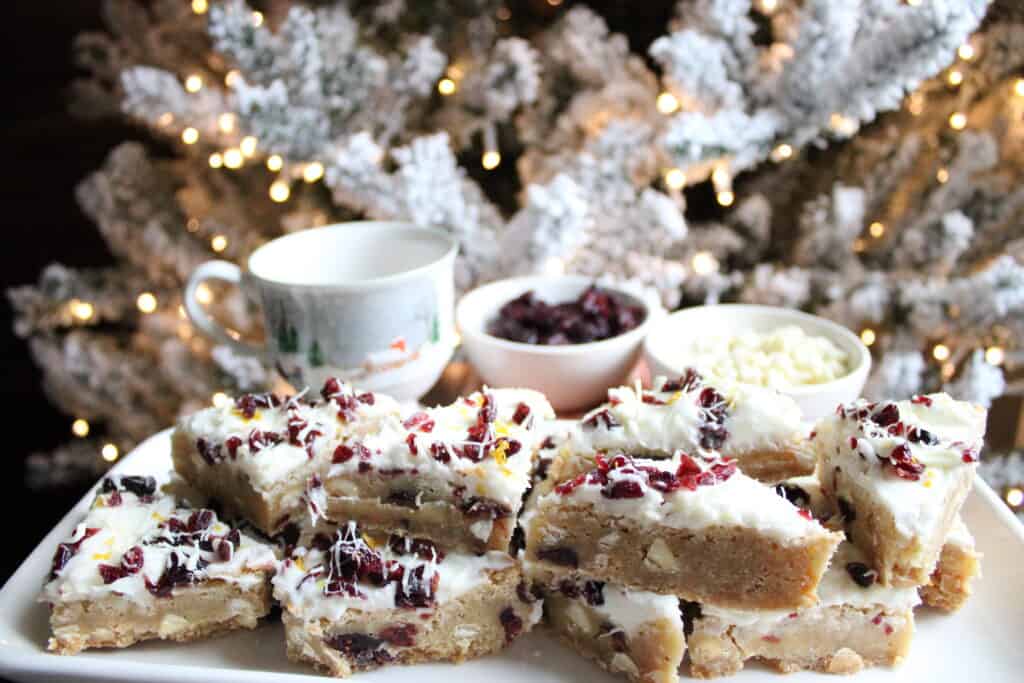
691	414
907	453
644	490
138	544
327	582
838	587
481	445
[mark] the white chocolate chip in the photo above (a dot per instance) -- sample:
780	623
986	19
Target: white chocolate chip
659	557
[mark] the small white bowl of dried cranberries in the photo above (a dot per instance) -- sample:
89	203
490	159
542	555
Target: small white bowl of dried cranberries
564	336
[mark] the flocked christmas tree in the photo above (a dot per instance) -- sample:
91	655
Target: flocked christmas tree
864	158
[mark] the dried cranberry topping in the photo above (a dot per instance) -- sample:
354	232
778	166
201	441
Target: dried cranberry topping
887	415
522	412
651	399
601	417
484	508
132	559
511	622
903	464
565	557
140	486
420	421
921	400
595	315
258	440
399	635
360	648
593	593
688	381
65	551
421	547
626	488
232	444
403	497
199	520
416	590
110	573
114	499
211	453
440	452
861	574
690	612
367	397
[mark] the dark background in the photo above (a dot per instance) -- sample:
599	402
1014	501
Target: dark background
44	153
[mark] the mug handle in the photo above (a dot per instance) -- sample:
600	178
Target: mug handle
225	272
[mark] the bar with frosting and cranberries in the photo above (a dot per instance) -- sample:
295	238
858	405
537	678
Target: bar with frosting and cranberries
899	473
258	454
959	565
758	427
634	633
139	567
353	602
695	527
856	623
454	474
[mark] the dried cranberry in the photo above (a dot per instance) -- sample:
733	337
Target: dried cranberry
420	421
522	412
65	551
440	452
562	556
624	488
331	387
258	440
211	453
861	574
484	508
806	514
688	381
140	486
601	417
342	454
568	588
415	590
595	315
548	443
367	398
114	499
712	436
342	587
511	622
200	520
360	648
232	444
969	455
403	497
651	399
888	415
399	635
132	559
922	435
421	547
921	400
110	573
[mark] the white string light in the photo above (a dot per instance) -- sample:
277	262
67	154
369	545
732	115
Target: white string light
190	136
80	428
194	83
146	302
275	162
313	172
279	191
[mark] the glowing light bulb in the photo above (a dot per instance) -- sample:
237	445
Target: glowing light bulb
720	177
204	294
725	197
109	452
490	159
200	6
844	125
995	355
190	136
1014	497
704	263
231	78
940	352
80	428
446	86
554	3
667	103
1018	87
216	160
942	175
769	6
233	158
782	152
82	310
226	122
958	120
675	179
913	3
248	145
876	229
867	335
146	302
313	172
275	162
220	399
194	83
965	52
955	77
279	191
257	19
219	243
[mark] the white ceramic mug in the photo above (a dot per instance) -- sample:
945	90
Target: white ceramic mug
370	302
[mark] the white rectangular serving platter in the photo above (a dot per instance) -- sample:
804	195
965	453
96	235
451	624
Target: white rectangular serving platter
980	643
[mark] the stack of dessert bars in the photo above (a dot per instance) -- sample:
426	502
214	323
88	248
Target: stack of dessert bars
690	518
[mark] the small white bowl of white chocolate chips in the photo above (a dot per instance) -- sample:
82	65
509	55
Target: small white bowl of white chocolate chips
817	362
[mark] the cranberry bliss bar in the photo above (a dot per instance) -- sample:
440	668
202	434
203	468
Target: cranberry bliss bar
353	603
257	454
455	474
899	473
697	528
631	632
760	428
856	623
138	567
